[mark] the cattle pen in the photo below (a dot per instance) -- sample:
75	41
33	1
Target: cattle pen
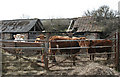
31	54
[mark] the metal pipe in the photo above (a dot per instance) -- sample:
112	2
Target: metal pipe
54	48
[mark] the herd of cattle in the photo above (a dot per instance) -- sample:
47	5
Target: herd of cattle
76	43
71	45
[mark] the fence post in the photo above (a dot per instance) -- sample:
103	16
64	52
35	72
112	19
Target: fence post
46	51
115	48
117	51
1	54
118	54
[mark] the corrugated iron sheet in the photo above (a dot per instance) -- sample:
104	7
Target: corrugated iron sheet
19	25
84	24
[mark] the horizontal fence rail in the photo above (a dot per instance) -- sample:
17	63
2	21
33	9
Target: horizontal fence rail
53	48
23	47
51	40
84	54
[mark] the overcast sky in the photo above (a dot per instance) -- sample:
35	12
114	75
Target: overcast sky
44	9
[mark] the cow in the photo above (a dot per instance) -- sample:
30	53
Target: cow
62	44
65	44
40	38
19	38
83	42
100	49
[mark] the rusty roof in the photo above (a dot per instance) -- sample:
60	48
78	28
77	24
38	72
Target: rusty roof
19	25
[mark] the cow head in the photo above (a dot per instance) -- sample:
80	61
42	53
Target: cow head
83	42
19	37
40	37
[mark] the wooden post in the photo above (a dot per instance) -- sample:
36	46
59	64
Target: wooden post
1	55
115	48
2	35
46	51
117	51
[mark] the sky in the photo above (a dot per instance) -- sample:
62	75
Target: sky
47	9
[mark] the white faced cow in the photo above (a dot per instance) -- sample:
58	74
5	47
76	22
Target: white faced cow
19	38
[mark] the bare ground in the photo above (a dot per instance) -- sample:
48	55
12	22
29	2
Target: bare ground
84	66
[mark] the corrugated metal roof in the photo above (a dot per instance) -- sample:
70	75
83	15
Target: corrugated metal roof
19	25
84	24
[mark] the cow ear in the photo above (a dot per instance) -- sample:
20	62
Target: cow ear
22	37
14	36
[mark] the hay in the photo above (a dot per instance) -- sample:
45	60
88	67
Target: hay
94	69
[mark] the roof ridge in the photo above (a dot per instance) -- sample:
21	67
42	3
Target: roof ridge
19	19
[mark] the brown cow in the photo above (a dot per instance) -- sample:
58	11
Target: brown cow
83	42
65	44
39	38
102	49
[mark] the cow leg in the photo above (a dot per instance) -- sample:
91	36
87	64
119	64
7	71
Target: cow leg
52	57
54	60
41	52
74	60
16	57
92	57
18	53
108	56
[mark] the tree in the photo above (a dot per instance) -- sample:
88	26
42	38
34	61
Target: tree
102	12
104	17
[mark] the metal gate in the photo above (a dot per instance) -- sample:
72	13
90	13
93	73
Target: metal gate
24	58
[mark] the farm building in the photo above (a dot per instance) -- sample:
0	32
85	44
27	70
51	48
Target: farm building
86	26
27	27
